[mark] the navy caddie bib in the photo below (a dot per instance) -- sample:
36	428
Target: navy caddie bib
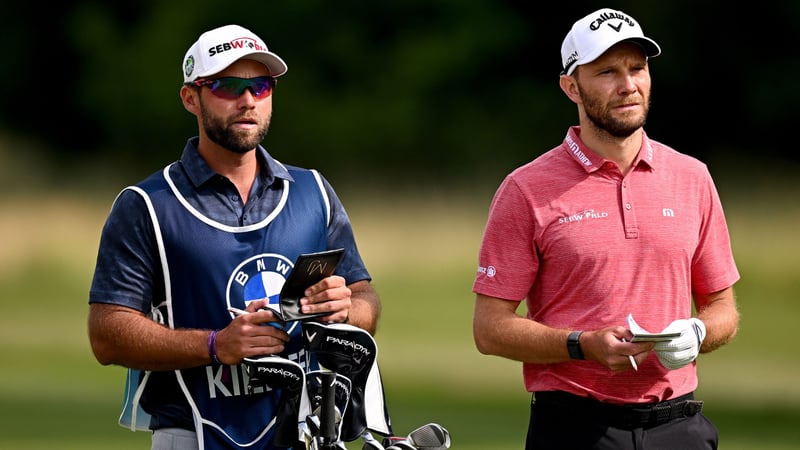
208	267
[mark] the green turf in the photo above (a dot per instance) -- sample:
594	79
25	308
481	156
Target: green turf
53	394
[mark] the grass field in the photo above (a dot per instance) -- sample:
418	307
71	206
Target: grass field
53	394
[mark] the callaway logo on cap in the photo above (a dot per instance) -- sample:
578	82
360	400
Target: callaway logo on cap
591	36
217	49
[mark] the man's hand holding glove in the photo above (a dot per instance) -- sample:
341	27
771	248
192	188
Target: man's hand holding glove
682	350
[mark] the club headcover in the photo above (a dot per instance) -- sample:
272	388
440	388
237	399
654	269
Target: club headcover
349	351
289	377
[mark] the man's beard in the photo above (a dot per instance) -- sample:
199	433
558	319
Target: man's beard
236	141
603	119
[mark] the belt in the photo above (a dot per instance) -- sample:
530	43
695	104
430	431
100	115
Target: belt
620	416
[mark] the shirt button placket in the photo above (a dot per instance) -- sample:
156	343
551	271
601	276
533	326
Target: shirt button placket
628	214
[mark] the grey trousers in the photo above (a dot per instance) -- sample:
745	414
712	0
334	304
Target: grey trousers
174	439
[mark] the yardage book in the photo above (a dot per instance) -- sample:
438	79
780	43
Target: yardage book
308	269
642	335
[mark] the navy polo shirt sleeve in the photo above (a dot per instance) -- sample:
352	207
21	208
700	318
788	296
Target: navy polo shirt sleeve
127	259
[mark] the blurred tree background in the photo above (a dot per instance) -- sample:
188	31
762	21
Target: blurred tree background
385	90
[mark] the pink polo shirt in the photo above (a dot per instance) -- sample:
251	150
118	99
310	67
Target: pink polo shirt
585	246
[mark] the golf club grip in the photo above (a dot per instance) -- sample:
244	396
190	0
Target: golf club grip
327	415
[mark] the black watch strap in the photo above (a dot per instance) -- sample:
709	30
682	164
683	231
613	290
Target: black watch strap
574	345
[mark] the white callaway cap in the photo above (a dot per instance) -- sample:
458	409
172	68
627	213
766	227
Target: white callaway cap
591	36
217	49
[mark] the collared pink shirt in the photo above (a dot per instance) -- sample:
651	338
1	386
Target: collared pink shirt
585	246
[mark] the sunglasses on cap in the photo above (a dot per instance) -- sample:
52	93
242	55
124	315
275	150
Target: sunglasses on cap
233	87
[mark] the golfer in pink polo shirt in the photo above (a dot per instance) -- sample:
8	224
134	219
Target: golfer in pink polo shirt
608	233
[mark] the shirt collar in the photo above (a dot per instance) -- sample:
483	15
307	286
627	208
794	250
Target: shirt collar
199	172
591	161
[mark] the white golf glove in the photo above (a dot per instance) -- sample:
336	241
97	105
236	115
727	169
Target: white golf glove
681	350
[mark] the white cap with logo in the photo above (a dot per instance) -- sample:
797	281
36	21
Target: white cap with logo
591	36
217	49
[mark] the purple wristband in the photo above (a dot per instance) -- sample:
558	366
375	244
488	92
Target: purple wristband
212	346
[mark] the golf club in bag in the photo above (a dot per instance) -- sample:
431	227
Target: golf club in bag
349	354
340	402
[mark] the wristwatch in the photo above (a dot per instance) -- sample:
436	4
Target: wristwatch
574	345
